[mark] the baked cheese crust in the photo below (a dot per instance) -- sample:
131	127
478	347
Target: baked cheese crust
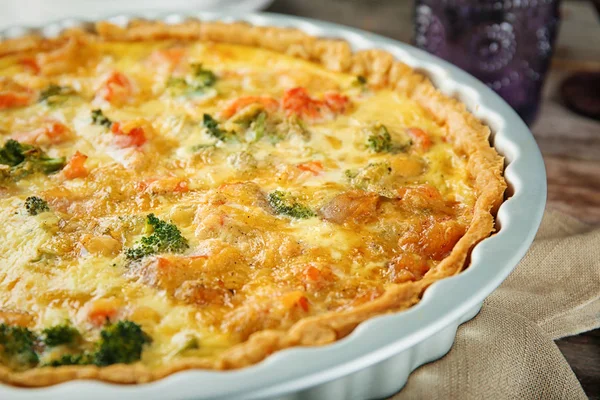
224	191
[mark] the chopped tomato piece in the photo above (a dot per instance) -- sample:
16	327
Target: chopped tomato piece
103	310
269	103
298	102
128	135
75	168
315	167
117	88
30	64
421	138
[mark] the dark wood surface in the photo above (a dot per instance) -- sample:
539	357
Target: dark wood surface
570	144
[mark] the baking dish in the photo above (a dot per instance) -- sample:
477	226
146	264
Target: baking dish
376	359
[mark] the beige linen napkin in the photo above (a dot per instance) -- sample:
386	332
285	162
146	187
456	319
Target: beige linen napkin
507	351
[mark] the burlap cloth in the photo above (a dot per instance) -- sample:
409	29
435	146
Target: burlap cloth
508	350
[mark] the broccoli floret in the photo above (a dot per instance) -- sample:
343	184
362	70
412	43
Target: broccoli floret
24	159
200	80
60	334
283	203
17	346
120	343
165	238
203	78
379	139
72	359
54	94
13	153
375	177
212	126
98	118
36	205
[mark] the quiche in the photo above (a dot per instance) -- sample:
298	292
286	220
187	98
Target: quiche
204	194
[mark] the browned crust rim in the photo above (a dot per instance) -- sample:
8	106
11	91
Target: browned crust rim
468	135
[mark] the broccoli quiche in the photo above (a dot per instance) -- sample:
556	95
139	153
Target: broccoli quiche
202	195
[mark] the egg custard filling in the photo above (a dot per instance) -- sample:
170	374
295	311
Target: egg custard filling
190	200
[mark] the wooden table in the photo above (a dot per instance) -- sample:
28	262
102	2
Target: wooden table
570	144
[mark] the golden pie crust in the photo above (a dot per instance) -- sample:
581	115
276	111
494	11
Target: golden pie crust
469	137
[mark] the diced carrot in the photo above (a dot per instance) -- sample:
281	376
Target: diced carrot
421	138
103	310
315	167
268	102
75	168
116	89
128	135
30	64
14	99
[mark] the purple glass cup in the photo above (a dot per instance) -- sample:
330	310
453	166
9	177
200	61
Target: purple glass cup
507	44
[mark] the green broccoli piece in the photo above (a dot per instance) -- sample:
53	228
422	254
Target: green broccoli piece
36	205
60	334
72	359
203	78
54	94
17	346
283	203
120	343
200	80
98	118
379	139
212	126
25	159
375	177
165	238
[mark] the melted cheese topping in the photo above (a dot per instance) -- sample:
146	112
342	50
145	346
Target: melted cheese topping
379	218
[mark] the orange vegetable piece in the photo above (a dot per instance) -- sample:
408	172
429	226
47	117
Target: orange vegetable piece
128	135
297	101
103	310
31	64
75	168
336	102
295	298
312	273
117	88
421	138
268	102
315	167
13	99
52	132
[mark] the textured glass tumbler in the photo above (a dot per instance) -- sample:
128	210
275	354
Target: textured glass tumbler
507	44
